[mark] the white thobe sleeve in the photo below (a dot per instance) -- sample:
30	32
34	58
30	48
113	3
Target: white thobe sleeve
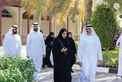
99	51
80	50
28	43
5	45
43	46
118	41
19	46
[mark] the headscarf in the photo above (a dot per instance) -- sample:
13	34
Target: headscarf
35	23
84	33
49	38
69	34
60	33
10	30
32	31
51	33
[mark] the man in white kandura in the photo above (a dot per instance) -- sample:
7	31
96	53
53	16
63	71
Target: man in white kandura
12	42
119	41
36	48
88	54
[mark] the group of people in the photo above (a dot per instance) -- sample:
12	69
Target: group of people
37	49
63	50
89	54
35	46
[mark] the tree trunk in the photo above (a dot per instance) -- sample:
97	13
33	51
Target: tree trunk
0	22
88	11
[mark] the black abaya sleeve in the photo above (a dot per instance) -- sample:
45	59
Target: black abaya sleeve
47	41
74	48
56	48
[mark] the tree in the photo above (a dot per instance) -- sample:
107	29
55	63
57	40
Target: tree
88	11
35	7
104	22
59	9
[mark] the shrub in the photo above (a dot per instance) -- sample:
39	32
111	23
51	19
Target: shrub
110	59
16	69
105	24
76	44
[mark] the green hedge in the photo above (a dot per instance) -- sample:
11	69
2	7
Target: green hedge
16	69
110	59
76	44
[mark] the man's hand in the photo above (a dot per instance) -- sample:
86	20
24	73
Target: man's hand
80	64
99	62
44	55
117	45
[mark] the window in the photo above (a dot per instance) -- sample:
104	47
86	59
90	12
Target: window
5	13
25	16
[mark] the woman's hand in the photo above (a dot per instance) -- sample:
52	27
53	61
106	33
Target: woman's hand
64	49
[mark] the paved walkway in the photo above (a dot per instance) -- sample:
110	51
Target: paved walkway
46	74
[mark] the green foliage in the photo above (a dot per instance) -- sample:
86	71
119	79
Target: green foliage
110	58
16	69
76	44
104	22
11	75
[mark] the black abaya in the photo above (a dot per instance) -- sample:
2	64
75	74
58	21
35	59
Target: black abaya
48	43
62	71
73	51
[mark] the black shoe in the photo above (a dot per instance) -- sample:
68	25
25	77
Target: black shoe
43	66
51	66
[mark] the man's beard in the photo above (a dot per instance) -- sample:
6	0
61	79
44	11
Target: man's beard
89	33
35	29
15	32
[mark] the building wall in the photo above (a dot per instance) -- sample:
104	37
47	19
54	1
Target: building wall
6	24
44	24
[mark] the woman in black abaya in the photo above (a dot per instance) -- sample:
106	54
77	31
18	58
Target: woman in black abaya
49	41
73	49
61	55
